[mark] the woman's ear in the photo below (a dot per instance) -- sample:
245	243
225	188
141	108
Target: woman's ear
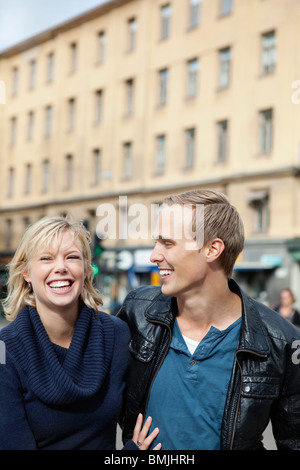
214	249
26	276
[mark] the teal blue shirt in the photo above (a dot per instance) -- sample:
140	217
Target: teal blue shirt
188	395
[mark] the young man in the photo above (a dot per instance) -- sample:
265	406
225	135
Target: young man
210	365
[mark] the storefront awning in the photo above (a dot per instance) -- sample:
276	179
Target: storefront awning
266	262
253	266
295	254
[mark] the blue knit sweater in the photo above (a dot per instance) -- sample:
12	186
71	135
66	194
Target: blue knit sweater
57	398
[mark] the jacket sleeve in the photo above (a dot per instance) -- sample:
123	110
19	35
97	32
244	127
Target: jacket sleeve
285	415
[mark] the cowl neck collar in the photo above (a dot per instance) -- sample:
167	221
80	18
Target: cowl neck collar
86	364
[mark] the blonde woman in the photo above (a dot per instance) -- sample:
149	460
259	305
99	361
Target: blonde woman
62	384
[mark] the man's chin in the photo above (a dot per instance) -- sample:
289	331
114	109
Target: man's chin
166	290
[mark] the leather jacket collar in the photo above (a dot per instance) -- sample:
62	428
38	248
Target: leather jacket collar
163	309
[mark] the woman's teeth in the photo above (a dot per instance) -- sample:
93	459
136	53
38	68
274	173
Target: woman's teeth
60	284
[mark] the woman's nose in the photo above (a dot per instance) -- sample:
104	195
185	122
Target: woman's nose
60	265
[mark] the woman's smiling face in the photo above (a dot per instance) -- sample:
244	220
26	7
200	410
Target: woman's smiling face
57	274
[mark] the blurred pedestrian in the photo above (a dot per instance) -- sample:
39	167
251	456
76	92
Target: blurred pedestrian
210	365
286	307
62	384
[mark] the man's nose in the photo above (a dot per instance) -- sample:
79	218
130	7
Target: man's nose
156	255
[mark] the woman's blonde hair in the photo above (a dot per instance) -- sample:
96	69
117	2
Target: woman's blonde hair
43	232
221	220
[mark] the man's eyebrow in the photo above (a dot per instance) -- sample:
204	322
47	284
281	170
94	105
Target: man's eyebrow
162	238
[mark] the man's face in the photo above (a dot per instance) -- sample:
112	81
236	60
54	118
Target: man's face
181	263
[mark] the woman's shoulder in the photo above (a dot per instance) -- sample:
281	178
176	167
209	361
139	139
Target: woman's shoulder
119	325
10	331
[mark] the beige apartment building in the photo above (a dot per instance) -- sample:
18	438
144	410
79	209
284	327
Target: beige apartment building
138	99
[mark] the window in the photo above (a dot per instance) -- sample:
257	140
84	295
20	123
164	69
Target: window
192	77
222	141
48	121
195	7
127	160
226	7
259	202
30	125
99	106
69	171
71	114
163	87
15	81
13	130
32	74
9	234
28	178
265	131
160	160
96	166
129	90
50	67
11	182
190	148
268	52
132	33
26	222
101	47
224	67
45	176
165	12
73	57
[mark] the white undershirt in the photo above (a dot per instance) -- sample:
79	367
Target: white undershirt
191	344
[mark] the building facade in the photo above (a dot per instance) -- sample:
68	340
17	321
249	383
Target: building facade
106	114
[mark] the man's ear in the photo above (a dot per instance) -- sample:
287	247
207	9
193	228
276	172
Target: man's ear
214	249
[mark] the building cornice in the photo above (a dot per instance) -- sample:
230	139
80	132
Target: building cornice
51	33
292	171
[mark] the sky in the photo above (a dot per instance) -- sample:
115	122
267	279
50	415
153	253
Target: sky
21	19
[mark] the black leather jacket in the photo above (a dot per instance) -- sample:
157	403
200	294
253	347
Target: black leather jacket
265	381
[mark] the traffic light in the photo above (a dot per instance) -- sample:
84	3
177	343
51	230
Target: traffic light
96	269
97	252
98	249
97	246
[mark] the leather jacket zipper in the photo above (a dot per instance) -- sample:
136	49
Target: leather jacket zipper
161	361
